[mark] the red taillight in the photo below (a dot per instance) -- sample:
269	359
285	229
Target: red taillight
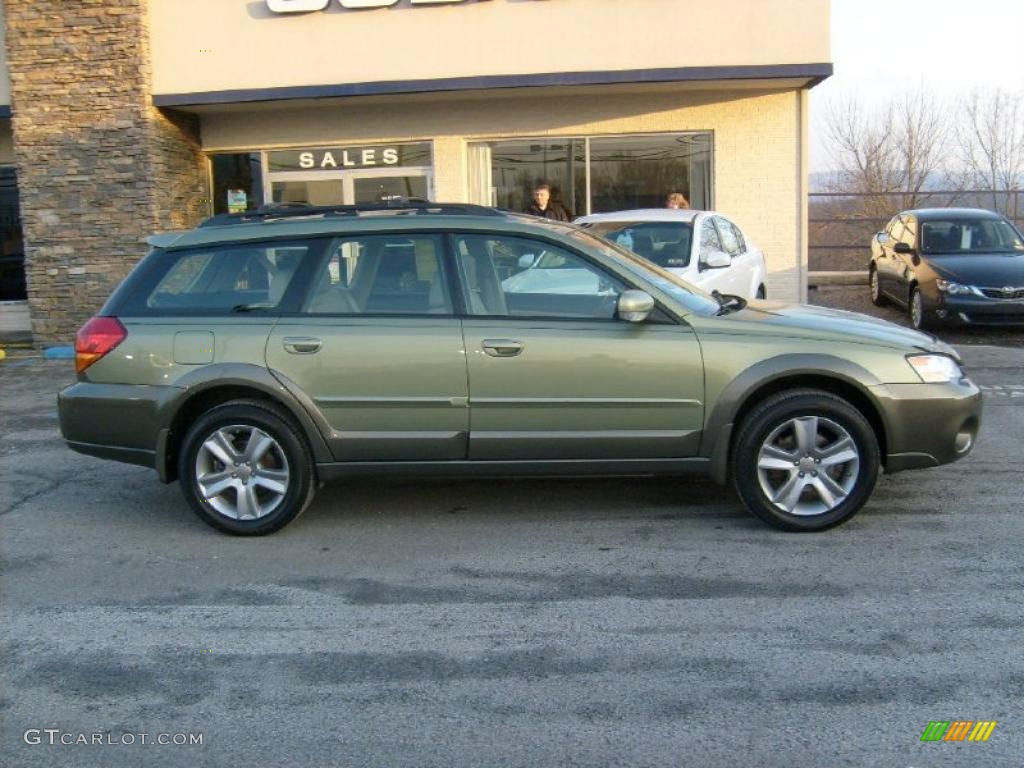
95	339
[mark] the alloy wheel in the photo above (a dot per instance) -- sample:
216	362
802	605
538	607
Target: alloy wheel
808	465
916	309
242	472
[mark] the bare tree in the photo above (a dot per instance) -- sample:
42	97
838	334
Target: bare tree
990	144
889	152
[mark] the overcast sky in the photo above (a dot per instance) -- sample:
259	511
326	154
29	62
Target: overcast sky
951	46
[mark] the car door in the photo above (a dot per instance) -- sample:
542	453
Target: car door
904	264
887	262
378	352
708	242
554	374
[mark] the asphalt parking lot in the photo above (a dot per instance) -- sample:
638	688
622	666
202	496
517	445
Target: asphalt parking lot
519	623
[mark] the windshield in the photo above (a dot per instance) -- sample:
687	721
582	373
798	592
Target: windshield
666	243
690	296
970	236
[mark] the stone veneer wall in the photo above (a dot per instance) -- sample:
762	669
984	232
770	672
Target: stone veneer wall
99	168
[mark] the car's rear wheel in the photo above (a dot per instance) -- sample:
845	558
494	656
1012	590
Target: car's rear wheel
805	460
876	288
761	292
245	469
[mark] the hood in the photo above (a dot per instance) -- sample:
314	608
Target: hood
987	270
806	321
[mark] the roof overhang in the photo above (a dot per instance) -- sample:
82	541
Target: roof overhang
805	75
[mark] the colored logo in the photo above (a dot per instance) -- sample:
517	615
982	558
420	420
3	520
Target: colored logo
958	730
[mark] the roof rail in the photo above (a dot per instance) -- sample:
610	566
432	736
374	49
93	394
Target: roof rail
394	206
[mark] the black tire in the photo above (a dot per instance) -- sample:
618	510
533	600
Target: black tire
761	293
919	320
276	423
875	288
773	414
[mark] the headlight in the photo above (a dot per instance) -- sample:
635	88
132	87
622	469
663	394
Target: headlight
935	369
954	289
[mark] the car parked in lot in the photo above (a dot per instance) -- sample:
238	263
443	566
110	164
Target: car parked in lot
256	357
702	247
950	266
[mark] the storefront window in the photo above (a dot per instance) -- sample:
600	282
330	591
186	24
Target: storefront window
12	249
624	172
507	171
639	171
237	182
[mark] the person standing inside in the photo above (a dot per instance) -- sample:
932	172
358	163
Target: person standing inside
544	206
676	200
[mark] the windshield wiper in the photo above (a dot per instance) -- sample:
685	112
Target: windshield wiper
251	307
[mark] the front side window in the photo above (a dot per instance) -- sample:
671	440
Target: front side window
970	236
665	243
381	275
909	235
519	277
709	240
239	278
730	243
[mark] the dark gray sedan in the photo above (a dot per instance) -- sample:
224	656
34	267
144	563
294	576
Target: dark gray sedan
950	265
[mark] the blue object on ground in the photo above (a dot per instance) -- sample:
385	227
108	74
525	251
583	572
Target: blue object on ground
59	353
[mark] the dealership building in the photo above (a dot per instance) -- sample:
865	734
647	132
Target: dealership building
120	118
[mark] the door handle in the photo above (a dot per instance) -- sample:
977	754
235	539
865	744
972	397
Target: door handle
502	347
302	345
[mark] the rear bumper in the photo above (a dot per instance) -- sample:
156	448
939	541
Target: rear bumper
113	421
928	424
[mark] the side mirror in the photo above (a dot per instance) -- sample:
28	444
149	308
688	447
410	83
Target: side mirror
716	260
903	248
526	260
635	306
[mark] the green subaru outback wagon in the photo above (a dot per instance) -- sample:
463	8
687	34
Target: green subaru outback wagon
261	355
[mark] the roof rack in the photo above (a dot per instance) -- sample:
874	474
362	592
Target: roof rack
394	206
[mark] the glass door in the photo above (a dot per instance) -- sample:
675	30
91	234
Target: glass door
350	187
315	189
385	184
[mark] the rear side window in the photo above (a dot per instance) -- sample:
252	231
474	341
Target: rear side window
222	279
381	275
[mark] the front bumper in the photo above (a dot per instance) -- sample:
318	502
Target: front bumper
113	421
928	424
976	310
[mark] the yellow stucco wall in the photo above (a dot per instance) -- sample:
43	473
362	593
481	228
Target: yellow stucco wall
759	147
212	45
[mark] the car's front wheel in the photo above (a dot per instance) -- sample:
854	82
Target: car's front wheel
919	315
805	460
245	469
877	298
